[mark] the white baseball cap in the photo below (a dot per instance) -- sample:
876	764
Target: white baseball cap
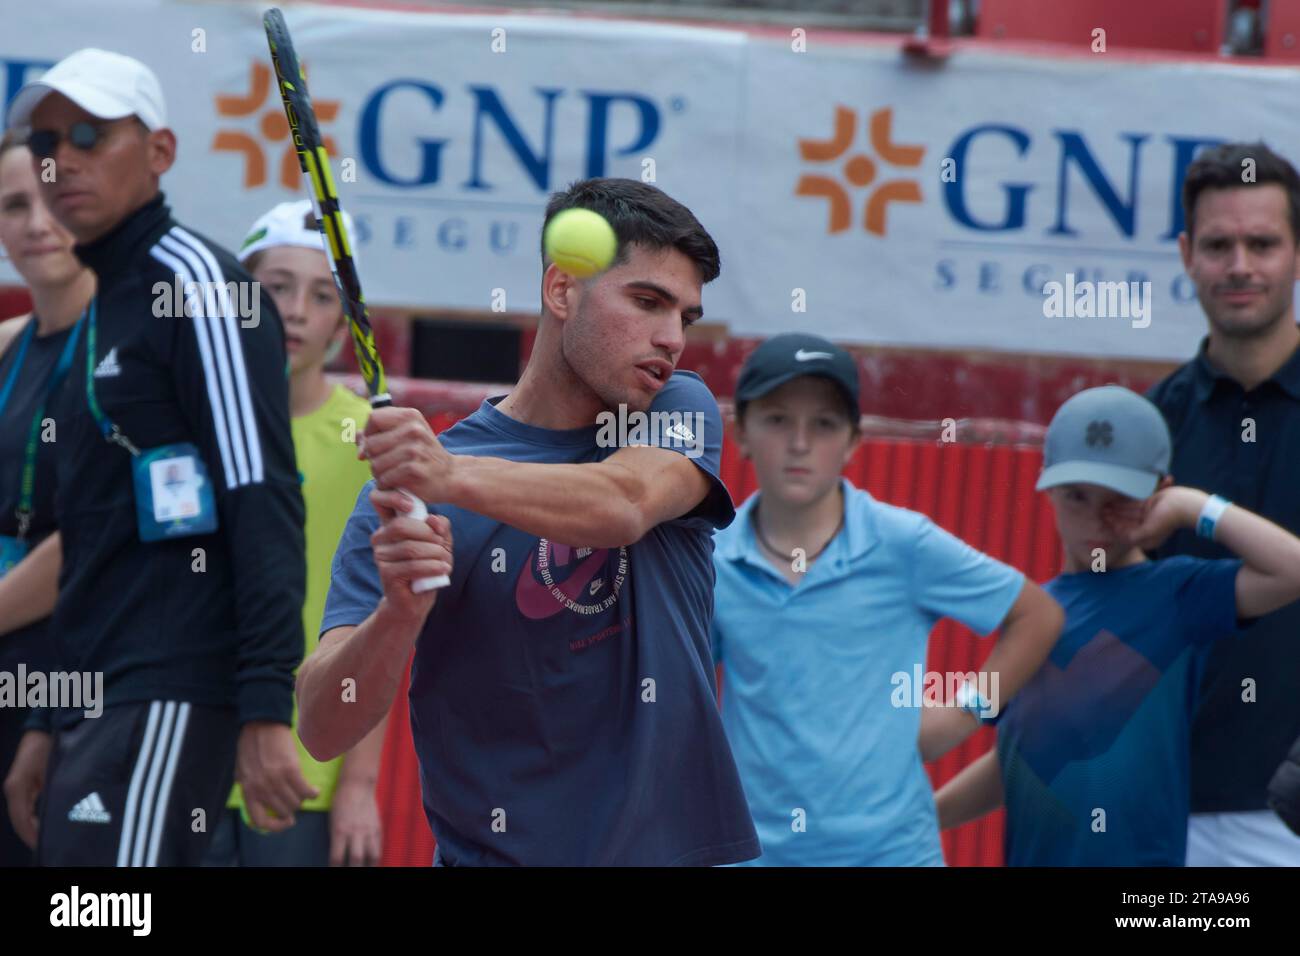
289	224
106	85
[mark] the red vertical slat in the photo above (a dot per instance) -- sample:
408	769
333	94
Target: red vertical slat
408	841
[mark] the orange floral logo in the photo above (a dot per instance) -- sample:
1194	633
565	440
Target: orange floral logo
860	170
272	125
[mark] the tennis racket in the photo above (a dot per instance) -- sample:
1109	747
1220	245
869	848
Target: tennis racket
315	164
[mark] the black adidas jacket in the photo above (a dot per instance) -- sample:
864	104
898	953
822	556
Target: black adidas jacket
162	620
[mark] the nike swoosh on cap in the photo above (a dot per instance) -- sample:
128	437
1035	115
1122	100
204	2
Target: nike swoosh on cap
802	356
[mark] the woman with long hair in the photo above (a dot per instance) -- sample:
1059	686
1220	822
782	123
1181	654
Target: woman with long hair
35	356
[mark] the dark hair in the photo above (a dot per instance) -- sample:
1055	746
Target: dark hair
1223	167
641	214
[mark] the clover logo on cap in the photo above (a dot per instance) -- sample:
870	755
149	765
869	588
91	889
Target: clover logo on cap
1099	433
1108	436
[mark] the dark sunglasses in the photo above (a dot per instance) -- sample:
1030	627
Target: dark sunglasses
84	135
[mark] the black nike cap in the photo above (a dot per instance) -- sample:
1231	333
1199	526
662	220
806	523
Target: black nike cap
783	358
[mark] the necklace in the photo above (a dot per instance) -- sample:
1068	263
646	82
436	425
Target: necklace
762	539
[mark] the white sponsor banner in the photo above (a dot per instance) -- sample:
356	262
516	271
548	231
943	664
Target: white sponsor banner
852	192
1008	174
449	132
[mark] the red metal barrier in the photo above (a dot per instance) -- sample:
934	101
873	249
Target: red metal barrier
1192	26
896	382
1282	36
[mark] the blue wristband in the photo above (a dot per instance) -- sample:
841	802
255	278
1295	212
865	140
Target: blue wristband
974	703
1208	519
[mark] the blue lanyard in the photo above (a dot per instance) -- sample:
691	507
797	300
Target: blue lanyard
24	511
29	333
65	362
107	428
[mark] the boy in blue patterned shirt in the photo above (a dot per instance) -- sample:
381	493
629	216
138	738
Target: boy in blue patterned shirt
1092	759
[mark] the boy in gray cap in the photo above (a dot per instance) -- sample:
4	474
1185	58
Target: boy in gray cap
1092	760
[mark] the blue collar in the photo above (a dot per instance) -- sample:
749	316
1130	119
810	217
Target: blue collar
856	539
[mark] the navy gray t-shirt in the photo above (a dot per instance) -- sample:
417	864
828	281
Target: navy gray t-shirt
562	697
1095	749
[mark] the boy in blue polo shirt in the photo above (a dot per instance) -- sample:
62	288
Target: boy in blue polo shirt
1092	757
824	602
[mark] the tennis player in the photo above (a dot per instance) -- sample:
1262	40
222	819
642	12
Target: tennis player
825	602
562	693
1092	758
176	500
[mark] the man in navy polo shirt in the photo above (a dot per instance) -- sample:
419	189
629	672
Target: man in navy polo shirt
1234	412
562	696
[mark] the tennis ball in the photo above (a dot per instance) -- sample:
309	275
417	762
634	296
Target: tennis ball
580	242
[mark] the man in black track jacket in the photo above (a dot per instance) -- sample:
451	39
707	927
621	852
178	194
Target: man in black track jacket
177	501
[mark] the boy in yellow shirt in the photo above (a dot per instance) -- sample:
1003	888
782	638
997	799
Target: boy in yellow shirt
340	825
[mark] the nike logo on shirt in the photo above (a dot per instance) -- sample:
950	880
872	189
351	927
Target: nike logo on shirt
537	601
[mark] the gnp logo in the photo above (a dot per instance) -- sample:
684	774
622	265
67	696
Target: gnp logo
1031	178
486	110
264	98
615	125
860	170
